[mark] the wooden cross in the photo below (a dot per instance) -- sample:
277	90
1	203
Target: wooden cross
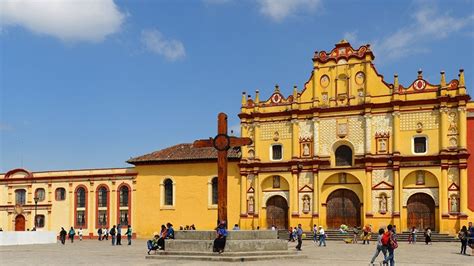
222	143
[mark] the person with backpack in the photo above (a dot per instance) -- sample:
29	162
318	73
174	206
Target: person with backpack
389	240
99	232
129	234
72	233
380	246
112	234
463	236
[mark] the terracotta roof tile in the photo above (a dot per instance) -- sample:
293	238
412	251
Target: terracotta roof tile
183	152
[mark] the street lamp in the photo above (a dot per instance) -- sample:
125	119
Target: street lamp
36	208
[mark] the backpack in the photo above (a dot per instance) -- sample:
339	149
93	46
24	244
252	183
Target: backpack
386	238
112	231
393	243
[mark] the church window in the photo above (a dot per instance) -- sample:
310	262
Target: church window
102	218
81	207
214	191
343	156
123	217
124	207
80	219
419	144
60	193
168	192
20	196
81	198
277	152
39	193
123	196
39	221
102	197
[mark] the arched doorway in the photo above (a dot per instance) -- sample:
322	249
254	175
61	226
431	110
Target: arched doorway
343	207
421	211
20	223
277	212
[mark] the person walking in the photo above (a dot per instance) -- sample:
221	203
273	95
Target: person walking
79	233
428	236
412	237
62	235
112	233
118	239
389	239
380	247
72	233
299	235
355	234
315	234
99	233
322	236
129	234
367	234
106	234
463	236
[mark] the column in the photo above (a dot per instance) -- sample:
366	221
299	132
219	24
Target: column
368	133
462	127
396	192
463	190
256	139
243	194
91	209
368	193
315	136
294	194
295	139
70	198
443	192
396	130
443	128
257	198
315	194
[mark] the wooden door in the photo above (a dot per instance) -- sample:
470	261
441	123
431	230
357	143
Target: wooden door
20	223
277	212
343	207
421	211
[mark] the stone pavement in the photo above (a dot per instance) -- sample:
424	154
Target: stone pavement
93	252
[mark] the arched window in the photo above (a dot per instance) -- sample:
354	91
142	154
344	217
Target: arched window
343	156
214	191
102	197
168	192
123	196
39	221
60	193
20	196
40	194
81	208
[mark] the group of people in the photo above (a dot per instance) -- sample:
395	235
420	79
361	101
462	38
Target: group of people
158	241
187	227
365	234
115	232
386	243
466	235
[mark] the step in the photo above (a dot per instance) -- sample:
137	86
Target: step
227	254
231	245
224	258
231	235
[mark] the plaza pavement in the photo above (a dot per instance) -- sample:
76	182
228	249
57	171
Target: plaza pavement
93	252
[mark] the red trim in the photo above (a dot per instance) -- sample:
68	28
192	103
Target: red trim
129	204
85	209
97	206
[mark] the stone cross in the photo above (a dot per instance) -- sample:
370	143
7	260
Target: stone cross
222	143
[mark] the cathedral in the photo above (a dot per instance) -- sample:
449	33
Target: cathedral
349	147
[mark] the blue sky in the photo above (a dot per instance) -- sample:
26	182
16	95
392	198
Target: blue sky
90	84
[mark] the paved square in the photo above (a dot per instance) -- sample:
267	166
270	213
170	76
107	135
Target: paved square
93	252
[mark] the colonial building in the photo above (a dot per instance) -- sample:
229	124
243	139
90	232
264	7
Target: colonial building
348	148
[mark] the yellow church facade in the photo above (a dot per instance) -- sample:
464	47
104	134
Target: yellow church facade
349	147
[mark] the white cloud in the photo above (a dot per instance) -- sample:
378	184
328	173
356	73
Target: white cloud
155	42
278	10
68	20
352	37
428	24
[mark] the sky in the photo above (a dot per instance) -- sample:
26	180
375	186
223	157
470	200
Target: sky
90	84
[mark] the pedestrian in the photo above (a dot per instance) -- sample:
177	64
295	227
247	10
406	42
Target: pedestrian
290	234
322	236
112	233
295	231
389	239
463	236
62	235
221	236
470	242
72	233
236	227
118	239
428	236
367	234
355	234
380	247
106	234
129	234
299	234
315	234
153	244
99	233
79	233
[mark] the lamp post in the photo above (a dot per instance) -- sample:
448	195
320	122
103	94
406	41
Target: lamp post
36	208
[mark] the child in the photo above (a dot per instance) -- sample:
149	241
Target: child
380	247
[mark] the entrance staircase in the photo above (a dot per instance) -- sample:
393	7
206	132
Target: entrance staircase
335	235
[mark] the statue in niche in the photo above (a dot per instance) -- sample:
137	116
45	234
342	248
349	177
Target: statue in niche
453	128
251	154
454	204
306	151
306	204
250	132
251	205
342	178
383	203
453	142
420	178
382	145
276	181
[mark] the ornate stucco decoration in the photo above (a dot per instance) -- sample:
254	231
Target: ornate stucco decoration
433	192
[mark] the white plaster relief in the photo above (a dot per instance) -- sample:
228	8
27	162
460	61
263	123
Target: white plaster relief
268	130
453	175
429	120
305	179
368	129
356	133
316	136
382	123
376	200
380	175
327	135
433	192
267	195
305	129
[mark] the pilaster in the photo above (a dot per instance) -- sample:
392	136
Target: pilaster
463	190
295	138
243	195
396	132
462	128
294	194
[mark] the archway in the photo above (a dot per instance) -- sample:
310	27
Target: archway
277	212
421	211
20	223
343	207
